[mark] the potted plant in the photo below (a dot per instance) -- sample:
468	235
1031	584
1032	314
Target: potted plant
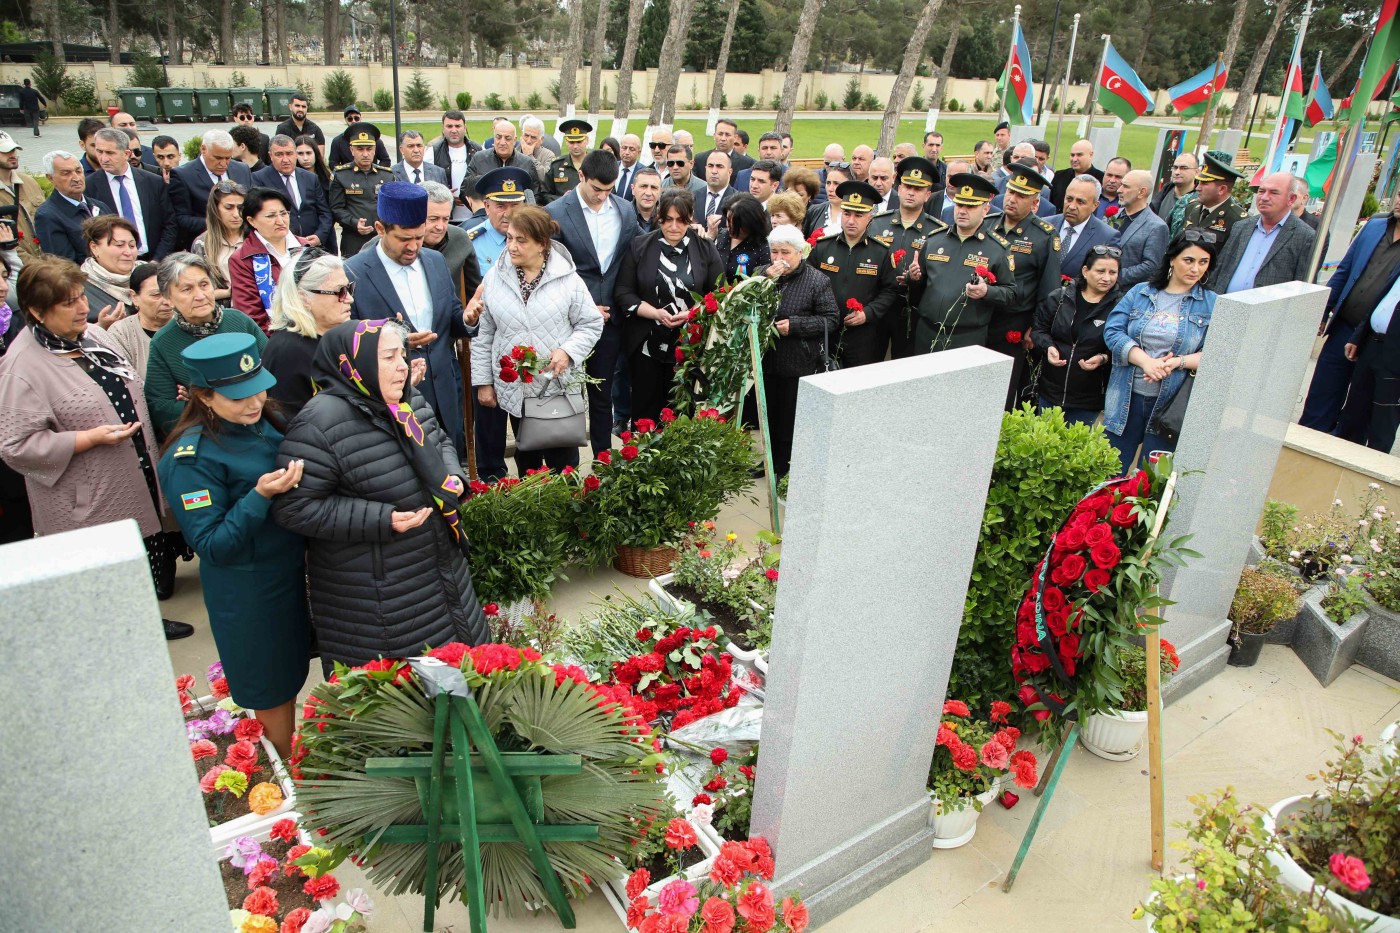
1316	544
1332	626
1117	735
1341	839
1262	600
971	755
1230	883
638	505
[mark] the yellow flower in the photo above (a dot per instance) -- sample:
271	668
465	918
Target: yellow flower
731	537
256	923
237	916
264	798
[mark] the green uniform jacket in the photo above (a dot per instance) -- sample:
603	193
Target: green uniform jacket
166	373
253	570
354	196
944	312
561	178
1221	218
863	272
889	228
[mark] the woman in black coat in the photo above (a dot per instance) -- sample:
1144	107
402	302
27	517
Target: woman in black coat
377	503
806	311
1069	330
742	239
656	283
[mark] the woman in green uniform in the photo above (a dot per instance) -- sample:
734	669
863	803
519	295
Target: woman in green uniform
219	474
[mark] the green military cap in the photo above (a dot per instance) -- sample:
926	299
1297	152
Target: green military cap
363	138
916	172
1218	168
230	364
857	197
1024	180
971	189
575	131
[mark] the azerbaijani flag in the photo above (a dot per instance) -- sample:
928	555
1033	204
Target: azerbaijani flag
1319	100
1020	103
1191	96
1121	91
1380	58
1322	168
1294	103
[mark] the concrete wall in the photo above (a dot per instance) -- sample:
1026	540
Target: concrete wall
1316	468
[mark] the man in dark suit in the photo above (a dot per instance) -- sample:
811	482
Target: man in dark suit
1371	414
1142	235
190	183
340	153
412	166
58	223
1276	248
1078	228
1081	162
596	226
139	196
709	207
311	210
400	279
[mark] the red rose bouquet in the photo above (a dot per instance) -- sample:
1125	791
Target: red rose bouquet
522	363
733	897
1083	609
972	753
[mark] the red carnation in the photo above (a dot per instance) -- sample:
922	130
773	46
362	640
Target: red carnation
680	834
264	869
262	901
450	653
711	304
1106	555
1066	278
898	256
637	883
1013	336
772	574
248	730
591	483
853	305
491	609
517	353
680	355
812	240
285	830
218	688
322	888
699	799
955	708
629	452
964	757
294	853
294	921
203	748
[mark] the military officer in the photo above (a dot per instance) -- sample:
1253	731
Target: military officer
904	230
1214	208
862	276
562	176
954	302
1036	246
354	193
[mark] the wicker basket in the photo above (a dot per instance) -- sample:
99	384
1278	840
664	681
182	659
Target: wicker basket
645	562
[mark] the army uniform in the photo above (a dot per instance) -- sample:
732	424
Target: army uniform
562	176
1222	218
890	229
354	195
862	272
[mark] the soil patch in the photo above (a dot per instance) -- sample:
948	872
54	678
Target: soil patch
720	615
290	895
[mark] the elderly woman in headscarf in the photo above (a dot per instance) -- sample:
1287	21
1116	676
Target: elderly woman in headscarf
377	502
805	320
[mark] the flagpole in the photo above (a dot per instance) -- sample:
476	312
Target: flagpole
1350	145
1094	89
1201	136
1002	113
1276	140
1064	93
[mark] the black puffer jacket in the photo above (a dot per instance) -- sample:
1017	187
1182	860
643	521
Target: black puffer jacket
374	592
806	301
1077	333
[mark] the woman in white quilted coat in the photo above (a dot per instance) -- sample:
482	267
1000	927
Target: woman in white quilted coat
535	299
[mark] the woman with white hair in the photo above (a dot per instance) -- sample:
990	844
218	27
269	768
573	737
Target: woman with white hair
313	299
805	318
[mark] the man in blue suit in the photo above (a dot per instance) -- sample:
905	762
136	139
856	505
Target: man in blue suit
1367	271
596	226
190	183
399	279
1079	228
311	211
139	196
58	223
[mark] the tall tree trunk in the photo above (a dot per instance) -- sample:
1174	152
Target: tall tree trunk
717	92
226	49
945	67
466	33
173	41
279	24
635	8
265	58
595	72
330	31
796	63
53	23
668	70
114	33
1245	99
913	52
1341	79
1231	42
568	74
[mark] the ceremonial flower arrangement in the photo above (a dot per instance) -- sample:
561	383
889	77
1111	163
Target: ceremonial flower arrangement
521	534
237	769
712	351
733	897
728	586
1084	607
381	710
727	791
679	673
275	884
972	753
663	478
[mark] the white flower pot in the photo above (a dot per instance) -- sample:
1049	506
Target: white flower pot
956	827
707	840
1295	877
1116	736
1390	740
250	824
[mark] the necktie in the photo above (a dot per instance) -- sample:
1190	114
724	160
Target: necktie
710	205
1066	240
417	177
292	191
622	187
128	210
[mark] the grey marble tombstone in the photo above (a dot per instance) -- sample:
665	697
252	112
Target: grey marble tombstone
99	805
891	464
1253	364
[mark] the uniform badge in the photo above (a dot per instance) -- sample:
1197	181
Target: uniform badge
246	362
195	500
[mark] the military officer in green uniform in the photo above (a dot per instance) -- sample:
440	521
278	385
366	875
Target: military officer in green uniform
862	276
354	193
904	230
954	303
1036	247
562	176
1214	209
219	472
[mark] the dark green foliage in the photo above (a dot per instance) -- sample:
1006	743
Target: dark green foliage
464	100
493	102
192	148
521	535
916	99
852	98
146	71
418	95
339	89
383	99
534	101
51	77
870	102
749	102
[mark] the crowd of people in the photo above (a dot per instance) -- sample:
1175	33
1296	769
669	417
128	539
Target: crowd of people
255	353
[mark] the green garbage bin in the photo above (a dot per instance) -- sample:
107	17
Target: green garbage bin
279	102
178	103
250	95
143	103
212	102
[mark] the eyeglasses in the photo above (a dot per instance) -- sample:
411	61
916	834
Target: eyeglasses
353	118
1193	235
345	292
677	163
1101	250
230	187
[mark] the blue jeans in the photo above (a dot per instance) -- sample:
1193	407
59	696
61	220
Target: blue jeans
1330	379
1135	432
1072	415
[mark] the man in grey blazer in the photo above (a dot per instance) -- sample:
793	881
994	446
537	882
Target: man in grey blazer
1142	235
411	167
596	241
1276	248
1078	228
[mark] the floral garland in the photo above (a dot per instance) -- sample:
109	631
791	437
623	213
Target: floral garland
713	361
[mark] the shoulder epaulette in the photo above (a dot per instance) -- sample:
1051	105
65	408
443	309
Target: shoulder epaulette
475	232
884	214
829	236
1043	224
998	239
346	165
189	443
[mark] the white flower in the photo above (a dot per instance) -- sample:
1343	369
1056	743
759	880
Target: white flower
1341	572
1380	510
1346	558
1363	523
1375	485
1382	573
236	917
359	902
1336	501
1375	545
320	921
703	814
1295	553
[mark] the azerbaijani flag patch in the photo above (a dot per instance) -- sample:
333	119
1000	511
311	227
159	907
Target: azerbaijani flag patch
195	500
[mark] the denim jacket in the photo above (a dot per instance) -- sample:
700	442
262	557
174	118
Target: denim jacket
1121	333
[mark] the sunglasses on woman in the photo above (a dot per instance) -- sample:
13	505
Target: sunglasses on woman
344	292
1193	235
1101	250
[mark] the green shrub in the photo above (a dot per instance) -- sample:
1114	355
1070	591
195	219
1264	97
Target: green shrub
1043	468
308	90
749	102
852	99
383	99
51	77
534	102
723	100
493	102
1369	204
339	89
871	102
81	97
776	102
953	106
238	80
916	100
978	106
554	91
464	100
1262	600
521	536
192	148
820	101
512	104
419	94
146	71
1276	528
1223	111
444	102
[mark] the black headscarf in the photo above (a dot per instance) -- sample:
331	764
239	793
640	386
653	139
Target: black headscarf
347	365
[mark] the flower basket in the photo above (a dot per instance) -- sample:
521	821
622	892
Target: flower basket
1115	736
955	825
645	562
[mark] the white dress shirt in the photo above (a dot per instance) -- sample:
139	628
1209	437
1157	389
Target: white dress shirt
459	157
142	247
411	284
604	225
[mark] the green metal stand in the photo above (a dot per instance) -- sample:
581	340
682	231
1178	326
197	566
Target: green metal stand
761	398
1061	759
484	795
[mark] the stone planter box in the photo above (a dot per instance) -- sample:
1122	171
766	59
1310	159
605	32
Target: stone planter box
1325	647
755	661
1380	645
